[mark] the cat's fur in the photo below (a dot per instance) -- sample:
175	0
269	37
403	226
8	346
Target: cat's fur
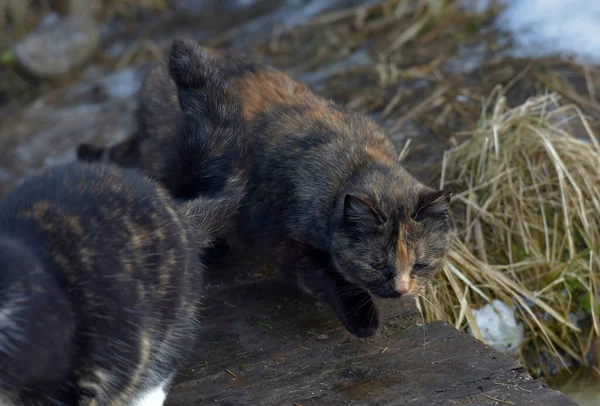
191	150
99	285
327	200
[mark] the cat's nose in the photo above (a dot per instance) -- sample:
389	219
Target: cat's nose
402	284
392	285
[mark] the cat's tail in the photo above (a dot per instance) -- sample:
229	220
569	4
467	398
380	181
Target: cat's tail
36	319
211	217
214	142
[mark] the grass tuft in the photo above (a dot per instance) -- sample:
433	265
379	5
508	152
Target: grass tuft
527	229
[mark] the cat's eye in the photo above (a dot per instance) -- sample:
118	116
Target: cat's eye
419	267
380	265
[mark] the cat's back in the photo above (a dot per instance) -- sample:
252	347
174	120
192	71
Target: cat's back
102	225
94	206
103	287
286	119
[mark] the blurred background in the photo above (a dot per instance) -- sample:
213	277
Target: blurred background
496	98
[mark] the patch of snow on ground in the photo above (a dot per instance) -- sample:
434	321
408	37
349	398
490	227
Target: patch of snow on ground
122	84
539	28
498	327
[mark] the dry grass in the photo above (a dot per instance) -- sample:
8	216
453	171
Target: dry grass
386	27
16	18
528	230
106	9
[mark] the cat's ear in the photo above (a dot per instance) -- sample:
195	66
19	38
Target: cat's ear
432	204
359	210
190	65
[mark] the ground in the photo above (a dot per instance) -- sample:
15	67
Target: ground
262	342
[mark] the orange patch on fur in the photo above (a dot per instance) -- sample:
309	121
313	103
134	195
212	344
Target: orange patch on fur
259	91
322	111
379	154
402	252
212	52
412	287
74	225
40	208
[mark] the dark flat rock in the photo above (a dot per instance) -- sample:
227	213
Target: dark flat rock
265	343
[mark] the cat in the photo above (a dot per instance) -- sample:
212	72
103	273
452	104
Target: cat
99	284
327	201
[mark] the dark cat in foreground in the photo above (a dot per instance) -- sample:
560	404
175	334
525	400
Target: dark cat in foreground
99	281
327	201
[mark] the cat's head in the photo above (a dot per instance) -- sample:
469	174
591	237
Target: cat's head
391	242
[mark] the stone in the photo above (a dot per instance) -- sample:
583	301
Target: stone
48	131
289	363
57	46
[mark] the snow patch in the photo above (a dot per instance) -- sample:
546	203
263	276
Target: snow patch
122	84
498	327
540	28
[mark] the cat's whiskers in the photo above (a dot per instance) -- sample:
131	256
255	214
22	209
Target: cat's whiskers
351	292
420	309
360	305
350	288
372	316
434	306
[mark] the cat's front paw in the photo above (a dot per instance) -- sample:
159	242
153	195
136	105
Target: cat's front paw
361	321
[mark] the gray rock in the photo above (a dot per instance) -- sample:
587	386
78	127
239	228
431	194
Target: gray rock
56	48
47	132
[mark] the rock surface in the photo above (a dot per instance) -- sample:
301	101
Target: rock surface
56	48
264	343
49	130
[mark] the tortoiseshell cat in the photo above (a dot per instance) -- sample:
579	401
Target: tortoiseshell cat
99	280
327	201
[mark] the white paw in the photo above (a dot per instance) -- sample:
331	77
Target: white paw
154	397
